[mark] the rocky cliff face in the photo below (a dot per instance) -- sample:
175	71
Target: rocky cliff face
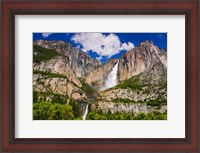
139	59
132	108
146	92
57	85
56	76
80	62
96	78
142	84
57	67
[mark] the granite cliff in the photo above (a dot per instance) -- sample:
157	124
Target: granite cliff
59	68
142	83
141	76
139	59
80	62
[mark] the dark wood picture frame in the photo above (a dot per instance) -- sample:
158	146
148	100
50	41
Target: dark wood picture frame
157	7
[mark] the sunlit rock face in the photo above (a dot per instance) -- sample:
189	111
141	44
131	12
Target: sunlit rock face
142	80
144	67
139	59
80	62
134	109
97	77
61	74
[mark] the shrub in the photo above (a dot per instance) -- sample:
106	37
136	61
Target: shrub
157	102
43	54
48	74
60	112
76	108
40	110
90	91
123	100
46	111
126	116
132	83
35	97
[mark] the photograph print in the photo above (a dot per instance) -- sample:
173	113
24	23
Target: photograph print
99	76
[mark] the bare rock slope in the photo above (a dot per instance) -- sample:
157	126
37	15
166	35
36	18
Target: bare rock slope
139	59
58	68
142	77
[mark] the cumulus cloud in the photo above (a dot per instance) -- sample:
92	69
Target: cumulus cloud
103	45
46	34
128	46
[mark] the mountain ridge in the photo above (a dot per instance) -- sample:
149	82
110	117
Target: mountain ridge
65	49
73	74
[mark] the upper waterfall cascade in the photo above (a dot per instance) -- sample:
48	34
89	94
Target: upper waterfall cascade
111	79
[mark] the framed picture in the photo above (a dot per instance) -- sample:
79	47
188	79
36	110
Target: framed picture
100	76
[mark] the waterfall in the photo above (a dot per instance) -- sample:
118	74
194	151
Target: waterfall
85	113
111	79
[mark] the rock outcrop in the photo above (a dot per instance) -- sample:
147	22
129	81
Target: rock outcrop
139	59
134	109
96	78
57	65
67	71
80	62
57	85
59	69
142	84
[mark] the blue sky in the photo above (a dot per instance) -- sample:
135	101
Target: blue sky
104	46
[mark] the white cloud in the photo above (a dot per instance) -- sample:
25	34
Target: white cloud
78	46
99	58
128	46
46	34
103	45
